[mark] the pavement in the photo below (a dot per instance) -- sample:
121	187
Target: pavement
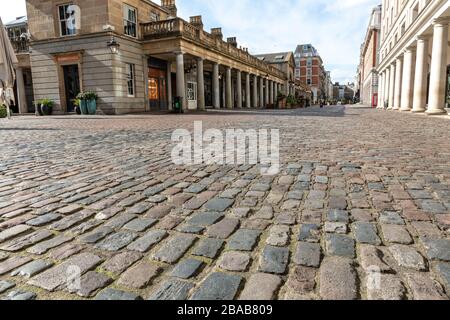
94	208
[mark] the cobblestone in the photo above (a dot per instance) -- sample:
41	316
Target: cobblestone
261	286
174	249
368	201
274	260
172	289
218	286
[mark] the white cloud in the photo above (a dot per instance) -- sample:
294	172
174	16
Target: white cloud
335	28
10	10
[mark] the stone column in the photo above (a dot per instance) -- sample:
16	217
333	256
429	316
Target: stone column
255	91
228	97
391	86
398	83
286	88
421	75
248	103
200	85
21	96
380	91
274	95
266	93
224	90
261	92
181	85
386	86
408	80
216	86
438	74
239	89
169	85
271	92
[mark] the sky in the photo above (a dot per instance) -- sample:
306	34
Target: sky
335	28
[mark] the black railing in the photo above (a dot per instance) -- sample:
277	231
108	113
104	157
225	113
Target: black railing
20	45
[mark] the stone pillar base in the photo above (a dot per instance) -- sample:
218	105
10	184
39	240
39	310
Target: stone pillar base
418	110
405	109
435	112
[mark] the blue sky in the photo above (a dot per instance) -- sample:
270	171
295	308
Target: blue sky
335	27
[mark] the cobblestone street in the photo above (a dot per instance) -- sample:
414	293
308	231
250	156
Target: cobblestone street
359	210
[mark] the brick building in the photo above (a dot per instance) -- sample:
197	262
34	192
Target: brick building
310	71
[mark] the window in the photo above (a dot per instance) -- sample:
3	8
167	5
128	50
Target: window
308	82
309	72
415	12
191	94
129	21
67	20
279	57
309	62
130	79
154	16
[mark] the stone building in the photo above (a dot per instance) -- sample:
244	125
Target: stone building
414	59
310	70
19	36
285	62
328	86
137	56
344	93
368	74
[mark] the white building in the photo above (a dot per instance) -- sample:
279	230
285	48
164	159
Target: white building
414	55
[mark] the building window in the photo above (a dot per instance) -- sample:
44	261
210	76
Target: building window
154	16
130	79
129	21
308	81
191	93
67	20
309	62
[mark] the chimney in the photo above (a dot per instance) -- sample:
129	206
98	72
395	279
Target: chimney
196	21
232	41
170	6
217	33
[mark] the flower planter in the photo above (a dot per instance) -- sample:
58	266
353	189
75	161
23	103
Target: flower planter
83	107
91	106
46	110
282	103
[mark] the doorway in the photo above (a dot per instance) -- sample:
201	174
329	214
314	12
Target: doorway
71	85
191	95
157	92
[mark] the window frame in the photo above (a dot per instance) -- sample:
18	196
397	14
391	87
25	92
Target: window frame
126	9
60	21
131	79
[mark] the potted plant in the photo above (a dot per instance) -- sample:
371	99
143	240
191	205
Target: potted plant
281	100
291	101
83	104
91	100
3	111
88	102
46	106
76	103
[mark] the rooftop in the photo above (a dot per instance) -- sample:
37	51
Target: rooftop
274	58
17	22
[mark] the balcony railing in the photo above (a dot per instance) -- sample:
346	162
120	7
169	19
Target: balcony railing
20	45
179	28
